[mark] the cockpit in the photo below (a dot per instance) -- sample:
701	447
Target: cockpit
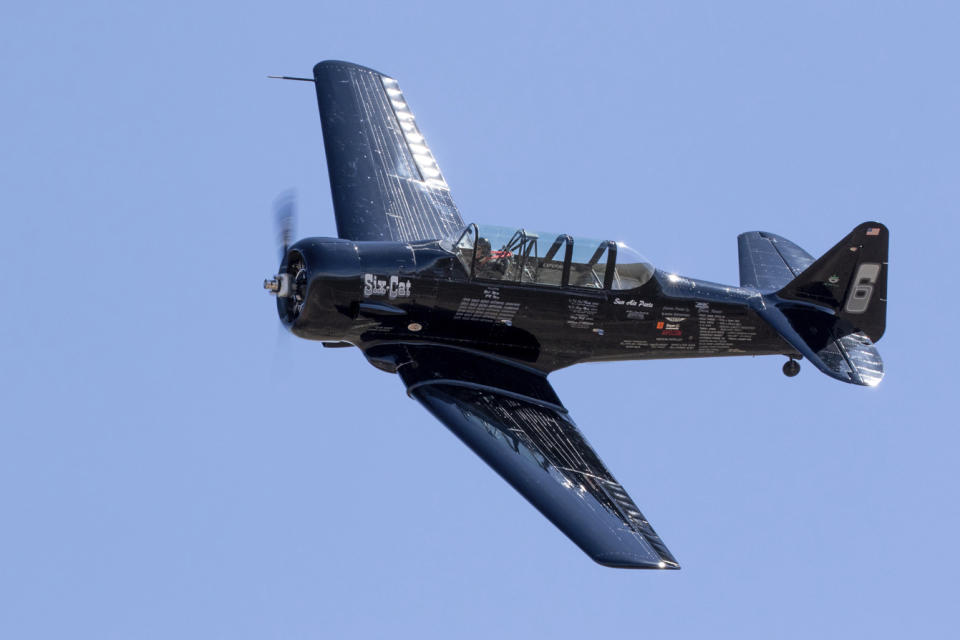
502	254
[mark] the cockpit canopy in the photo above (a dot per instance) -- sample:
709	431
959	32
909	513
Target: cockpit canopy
503	254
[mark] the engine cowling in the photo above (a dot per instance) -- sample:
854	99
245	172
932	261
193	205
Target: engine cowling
324	284
317	283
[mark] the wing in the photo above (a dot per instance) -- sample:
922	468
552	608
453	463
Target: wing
768	261
511	417
386	184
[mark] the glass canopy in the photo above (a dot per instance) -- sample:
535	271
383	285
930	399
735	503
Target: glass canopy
500	253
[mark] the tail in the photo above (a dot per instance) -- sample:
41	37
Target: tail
832	309
850	280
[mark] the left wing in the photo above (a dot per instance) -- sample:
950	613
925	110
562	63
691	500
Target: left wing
386	184
511	417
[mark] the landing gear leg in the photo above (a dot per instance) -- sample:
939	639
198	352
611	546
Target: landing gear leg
791	368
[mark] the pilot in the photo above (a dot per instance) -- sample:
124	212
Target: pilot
491	260
483	250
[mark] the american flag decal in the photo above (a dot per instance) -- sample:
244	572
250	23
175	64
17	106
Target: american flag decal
873	231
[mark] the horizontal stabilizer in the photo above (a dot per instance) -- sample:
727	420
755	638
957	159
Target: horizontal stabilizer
768	261
829	342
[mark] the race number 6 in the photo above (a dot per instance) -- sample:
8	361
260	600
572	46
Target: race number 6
862	290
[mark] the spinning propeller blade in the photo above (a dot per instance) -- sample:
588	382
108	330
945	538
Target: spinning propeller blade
285	219
285	226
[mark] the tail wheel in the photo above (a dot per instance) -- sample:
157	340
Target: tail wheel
791	368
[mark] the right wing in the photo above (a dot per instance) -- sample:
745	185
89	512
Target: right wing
386	184
511	417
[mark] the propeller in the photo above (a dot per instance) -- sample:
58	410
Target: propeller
283	285
285	219
284	223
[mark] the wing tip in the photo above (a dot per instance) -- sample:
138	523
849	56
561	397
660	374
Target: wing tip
662	565
623	559
324	65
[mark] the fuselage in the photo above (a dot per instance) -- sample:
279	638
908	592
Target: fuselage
369	293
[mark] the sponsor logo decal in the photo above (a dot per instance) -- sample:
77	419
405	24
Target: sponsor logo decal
669	328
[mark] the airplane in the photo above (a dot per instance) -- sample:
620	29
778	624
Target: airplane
473	318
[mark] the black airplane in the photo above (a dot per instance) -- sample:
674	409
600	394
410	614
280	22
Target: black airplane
473	318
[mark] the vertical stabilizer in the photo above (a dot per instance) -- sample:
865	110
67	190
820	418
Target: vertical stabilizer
850	280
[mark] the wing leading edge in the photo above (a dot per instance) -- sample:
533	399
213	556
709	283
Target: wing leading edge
514	421
386	184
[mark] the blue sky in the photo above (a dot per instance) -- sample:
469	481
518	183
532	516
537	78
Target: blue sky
170	466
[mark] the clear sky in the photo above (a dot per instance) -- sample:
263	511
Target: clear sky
171	468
